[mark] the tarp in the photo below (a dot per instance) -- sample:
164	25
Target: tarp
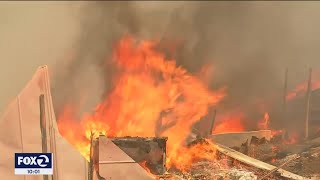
20	131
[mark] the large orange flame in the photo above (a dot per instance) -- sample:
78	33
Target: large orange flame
151	96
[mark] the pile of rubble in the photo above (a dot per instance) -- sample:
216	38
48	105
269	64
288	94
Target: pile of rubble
290	161
299	158
256	159
222	168
213	170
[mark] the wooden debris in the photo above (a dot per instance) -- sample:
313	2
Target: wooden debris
256	163
236	139
282	165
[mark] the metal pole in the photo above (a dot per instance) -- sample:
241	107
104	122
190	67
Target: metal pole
308	97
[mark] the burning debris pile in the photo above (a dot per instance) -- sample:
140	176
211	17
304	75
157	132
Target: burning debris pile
222	167
153	97
214	170
147	87
302	158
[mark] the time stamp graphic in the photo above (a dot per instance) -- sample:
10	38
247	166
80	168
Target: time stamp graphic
33	171
33	164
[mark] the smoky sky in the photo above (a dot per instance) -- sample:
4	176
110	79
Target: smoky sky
249	44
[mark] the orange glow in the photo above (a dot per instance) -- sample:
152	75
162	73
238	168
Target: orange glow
293	138
302	88
275	149
232	122
183	157
274	160
276	133
145	85
264	123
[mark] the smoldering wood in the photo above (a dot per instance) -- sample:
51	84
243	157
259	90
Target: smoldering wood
279	167
204	127
255	163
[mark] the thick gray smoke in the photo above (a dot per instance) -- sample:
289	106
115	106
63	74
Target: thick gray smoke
89	74
249	43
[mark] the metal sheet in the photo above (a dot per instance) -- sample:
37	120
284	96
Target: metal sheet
116	164
10	141
20	132
108	151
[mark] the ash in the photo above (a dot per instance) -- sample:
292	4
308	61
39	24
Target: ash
216	170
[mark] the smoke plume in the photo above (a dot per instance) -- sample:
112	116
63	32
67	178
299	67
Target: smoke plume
249	44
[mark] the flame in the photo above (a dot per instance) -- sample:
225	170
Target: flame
230	122
146	85
292	139
185	156
264	123
275	133
302	88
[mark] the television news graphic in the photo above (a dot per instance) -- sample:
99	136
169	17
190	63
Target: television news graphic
33	164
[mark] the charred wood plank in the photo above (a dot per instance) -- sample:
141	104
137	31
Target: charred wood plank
255	163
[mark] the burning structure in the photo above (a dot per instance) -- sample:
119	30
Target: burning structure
151	97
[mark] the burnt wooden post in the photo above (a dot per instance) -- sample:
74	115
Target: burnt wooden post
213	120
284	106
90	172
308	98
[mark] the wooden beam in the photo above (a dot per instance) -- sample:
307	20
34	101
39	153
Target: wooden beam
255	163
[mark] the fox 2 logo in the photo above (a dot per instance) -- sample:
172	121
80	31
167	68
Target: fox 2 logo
33	160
